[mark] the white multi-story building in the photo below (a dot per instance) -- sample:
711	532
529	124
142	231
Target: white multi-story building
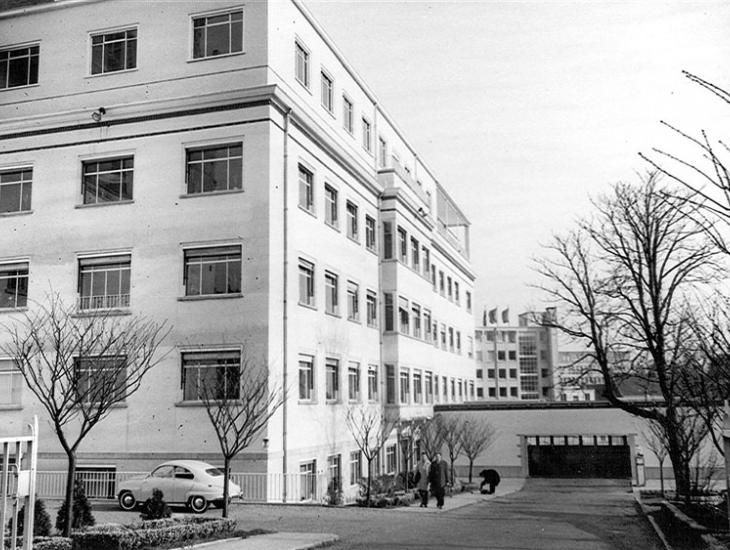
220	166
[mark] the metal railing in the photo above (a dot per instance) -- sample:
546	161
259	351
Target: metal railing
110	301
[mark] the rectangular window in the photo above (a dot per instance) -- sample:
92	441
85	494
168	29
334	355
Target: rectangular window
331	293
468	301
428	391
11	382
458	342
453	390
387	241
390	384
405	386
216	373
328	98
108	180
480	373
367	138
388	298
348	114
114	51
372	382
306	378
306	189
490	373
513	373
383	152
442	286
13	285
427	325
502	373
372	309
415	254
402	245
445	389
353	230
403	315
470	347
353	381
218	34
480	392
302	64
492	392
19	66
353	301
330	205
417	387
390	459
100	378
449	288
104	282
433	277
451	339
457	298
332	379
15	190
426	253
443	336
306	283
416	319
355	467
512	355
500	355
334	471
308	480
214	270
370	242
216	168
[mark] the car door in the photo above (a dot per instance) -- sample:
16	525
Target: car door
182	484
161	478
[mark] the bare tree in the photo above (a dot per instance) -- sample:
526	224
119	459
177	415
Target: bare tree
81	366
453	427
656	441
239	405
624	281
476	437
431	435
370	428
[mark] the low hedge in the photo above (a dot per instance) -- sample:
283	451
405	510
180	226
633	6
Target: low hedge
150	533
43	543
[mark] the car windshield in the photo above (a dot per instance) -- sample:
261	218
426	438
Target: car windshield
214	472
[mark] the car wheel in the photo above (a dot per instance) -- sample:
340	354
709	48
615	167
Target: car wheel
127	501
198	504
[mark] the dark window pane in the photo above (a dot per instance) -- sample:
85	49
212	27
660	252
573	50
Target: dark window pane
199	42
199	22
127	178
10	198
217	19
33	77
26	196
195	176
193	280
108	165
234	277
89	189
237	37
234	174
22	292
114	36
18	72
218	40
114	57
131	54
215	153
97	39
3	73
109	186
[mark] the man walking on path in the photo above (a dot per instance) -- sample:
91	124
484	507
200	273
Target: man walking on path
438	476
422	475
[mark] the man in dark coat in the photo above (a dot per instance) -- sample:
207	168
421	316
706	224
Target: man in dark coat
438	476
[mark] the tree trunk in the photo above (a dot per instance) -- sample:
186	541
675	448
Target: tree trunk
70	475
367	492
680	465
471	467
661	476
226	489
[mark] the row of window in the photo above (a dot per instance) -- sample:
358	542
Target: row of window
213	35
505	355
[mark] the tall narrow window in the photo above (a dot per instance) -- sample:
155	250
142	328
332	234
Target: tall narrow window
457	298
215	373
367	138
353	381
19	66
417	387
416	319
330	205
302	64
108	180
428	390
372	309
403	320
388	298
370	233
468	301
405	386
353	230
306	283
15	189
13	285
332	382
306	378
372	382
114	51
353	301
327	91
217	168
306	189
348	114
415	254
104	282
390	384
355	467
218	34
387	240
383	152
11	382
331	284
402	245
427	325
214	270
426	254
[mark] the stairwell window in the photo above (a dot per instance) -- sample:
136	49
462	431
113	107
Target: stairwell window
108	180
113	51
15	189
19	66
214	168
213	271
217	34
13	285
104	282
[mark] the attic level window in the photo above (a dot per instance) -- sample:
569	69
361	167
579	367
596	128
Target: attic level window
115	51
219	34
19	66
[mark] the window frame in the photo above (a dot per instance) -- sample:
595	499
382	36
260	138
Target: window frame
331	206
332	379
309	370
328	105
310	298
331	293
25	193
352	213
13	389
108	32
223	354
348	114
367	135
108	259
32	70
373	387
371	308
304	79
353	301
213	14
371	242
229	158
124	158
353	375
212	250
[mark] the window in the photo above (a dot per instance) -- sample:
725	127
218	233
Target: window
372	382
512	354
355	467
211	169
306	378
451	339
480	373
449	287
100	378
114	51
417	387
332	379
306	189
468	301
330	205
470	347
306	283
370	243
445	388
503	392
331	293
352	228
426	253
443	336
390	383
302	64
353	301
367	138
415	255
405	386
500	355
217	34
383	152
390	459
334	471
328	99
503	373
441	283
372	308
216	372
308	480
480	392
15	190
513	373
433	277
403	319
19	66
416	319
353	381
108	180
490	373
513	392
387	241
348	116
457	298
458	342
104	282
428	391
402	245
388	298
10	382
427	325
453	390
13	285
491	392
489	336
214	270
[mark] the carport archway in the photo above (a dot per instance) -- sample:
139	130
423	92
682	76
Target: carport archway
579	456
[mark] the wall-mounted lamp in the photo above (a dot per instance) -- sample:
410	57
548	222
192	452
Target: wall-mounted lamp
96	115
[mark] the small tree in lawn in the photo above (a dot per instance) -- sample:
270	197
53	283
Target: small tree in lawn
370	429
79	367
239	404
476	437
453	427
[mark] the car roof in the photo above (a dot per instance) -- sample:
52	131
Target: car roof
191	464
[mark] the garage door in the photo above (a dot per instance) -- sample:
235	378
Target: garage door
594	456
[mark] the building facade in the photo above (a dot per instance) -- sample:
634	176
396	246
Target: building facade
516	362
239	181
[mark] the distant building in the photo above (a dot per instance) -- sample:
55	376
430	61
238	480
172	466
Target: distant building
516	361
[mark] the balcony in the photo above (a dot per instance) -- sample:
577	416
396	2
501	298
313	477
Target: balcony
109	301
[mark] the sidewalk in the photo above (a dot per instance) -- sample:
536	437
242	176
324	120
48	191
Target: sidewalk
459	500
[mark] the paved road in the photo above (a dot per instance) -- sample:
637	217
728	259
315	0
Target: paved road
545	514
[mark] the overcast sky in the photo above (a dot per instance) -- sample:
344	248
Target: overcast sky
523	109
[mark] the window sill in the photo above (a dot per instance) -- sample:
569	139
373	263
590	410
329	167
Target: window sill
14	309
101	204
334	226
108	73
209	297
193	404
333	314
16	213
354	320
303	85
371	325
100	312
23	87
308	211
313	307
355	240
11	407
211	193
307	402
372	250
209	57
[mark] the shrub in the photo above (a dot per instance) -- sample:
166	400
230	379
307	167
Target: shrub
334	492
41	520
44	543
155	507
82	516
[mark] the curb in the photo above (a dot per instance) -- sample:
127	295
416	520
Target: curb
652	521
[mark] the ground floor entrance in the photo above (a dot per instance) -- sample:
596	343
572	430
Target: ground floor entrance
579	456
